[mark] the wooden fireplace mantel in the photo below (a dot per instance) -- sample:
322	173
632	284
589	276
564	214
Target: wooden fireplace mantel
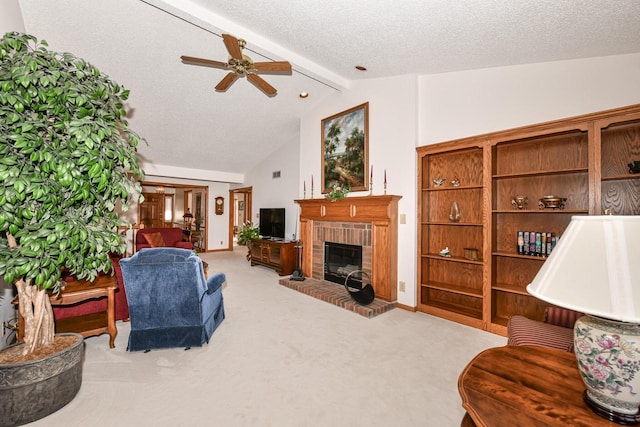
381	212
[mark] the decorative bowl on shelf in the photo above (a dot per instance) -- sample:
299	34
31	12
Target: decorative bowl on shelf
519	201
551	202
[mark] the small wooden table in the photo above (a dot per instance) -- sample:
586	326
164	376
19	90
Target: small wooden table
525	386
89	324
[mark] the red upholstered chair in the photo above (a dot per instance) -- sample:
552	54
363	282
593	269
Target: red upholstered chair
98	305
172	238
555	332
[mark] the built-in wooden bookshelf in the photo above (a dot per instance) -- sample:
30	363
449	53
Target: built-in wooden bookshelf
583	159
452	286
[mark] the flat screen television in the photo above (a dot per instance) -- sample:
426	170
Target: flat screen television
272	223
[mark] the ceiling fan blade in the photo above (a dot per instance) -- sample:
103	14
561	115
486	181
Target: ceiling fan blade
272	67
261	84
226	82
204	62
232	46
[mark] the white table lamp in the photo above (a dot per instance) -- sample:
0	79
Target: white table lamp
595	269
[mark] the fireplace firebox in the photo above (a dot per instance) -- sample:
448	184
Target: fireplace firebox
340	260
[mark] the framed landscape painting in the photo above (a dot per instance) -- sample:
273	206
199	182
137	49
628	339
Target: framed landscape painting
345	149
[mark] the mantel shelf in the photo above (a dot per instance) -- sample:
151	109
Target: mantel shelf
350	209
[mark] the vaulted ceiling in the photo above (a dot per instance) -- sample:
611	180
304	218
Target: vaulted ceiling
188	124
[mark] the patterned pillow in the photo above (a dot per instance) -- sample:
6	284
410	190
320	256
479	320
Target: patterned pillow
155	240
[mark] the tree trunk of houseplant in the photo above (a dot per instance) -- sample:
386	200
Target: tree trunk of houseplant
35	308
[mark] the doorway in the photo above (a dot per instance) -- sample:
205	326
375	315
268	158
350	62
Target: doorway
157	209
166	204
240	212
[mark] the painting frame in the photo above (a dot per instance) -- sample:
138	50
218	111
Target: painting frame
344	144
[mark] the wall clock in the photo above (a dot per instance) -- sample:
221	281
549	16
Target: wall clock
219	205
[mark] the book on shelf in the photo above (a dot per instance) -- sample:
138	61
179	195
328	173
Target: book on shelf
520	243
532	242
535	243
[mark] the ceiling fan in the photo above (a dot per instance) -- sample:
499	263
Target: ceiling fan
242	66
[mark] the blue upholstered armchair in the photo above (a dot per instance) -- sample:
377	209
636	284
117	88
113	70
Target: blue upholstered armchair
171	304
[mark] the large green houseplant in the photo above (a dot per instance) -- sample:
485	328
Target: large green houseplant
67	159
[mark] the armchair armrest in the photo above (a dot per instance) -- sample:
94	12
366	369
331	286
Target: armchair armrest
184	245
215	282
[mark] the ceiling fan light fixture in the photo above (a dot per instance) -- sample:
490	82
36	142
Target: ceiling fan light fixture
241	65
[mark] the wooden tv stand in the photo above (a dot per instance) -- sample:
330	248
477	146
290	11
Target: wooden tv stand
277	254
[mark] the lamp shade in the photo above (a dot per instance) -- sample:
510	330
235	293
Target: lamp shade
594	268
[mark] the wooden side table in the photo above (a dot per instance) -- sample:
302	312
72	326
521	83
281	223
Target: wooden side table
525	386
89	324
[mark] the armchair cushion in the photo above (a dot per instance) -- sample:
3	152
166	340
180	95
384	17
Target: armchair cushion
170	302
524	331
555	332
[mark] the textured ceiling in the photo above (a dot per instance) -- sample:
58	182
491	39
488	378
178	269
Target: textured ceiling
188	124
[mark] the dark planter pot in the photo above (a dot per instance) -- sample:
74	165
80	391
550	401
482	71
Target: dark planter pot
32	390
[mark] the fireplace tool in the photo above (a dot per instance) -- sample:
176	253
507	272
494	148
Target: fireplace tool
365	295
297	275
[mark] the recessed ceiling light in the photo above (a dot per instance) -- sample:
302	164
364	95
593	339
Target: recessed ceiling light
303	94
360	68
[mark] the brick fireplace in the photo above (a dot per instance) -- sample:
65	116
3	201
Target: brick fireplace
370	222
349	233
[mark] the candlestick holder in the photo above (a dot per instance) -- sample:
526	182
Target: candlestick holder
371	187
304	194
385	188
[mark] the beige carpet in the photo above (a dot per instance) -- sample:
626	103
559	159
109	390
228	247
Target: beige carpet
281	358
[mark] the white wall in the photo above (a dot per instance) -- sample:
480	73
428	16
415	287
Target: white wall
10	17
468	103
392	141
269	192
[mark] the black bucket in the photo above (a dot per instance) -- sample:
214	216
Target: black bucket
365	295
